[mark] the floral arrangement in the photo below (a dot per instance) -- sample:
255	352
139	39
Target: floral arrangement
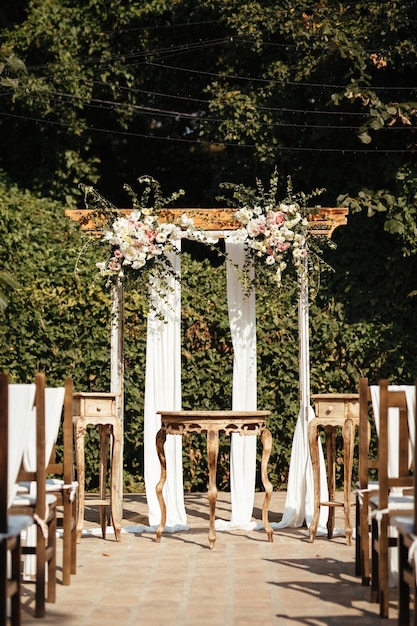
139	240
275	232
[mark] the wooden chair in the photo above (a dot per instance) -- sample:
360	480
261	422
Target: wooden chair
388	503
42	508
60	471
368	463
407	556
11	526
60	483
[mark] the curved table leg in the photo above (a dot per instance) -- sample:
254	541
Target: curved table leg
330	432
348	432
266	439
104	435
80	432
212	453
160	441
313	433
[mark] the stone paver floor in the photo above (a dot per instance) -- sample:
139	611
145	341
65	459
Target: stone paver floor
181	582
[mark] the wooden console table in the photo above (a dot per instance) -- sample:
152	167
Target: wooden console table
211	423
100	409
333	410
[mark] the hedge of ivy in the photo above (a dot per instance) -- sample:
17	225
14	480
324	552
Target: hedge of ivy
57	321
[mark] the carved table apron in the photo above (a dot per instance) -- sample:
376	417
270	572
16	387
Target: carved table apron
211	423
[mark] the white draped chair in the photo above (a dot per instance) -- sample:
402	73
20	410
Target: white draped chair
14	397
60	482
395	430
406	527
40	506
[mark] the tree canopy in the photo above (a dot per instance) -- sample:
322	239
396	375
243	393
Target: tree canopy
196	93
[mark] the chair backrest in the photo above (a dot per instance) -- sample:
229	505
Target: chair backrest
367	462
54	402
4	443
393	442
37	474
64	467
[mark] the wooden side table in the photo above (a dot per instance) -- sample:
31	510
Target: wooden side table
100	410
333	410
211	423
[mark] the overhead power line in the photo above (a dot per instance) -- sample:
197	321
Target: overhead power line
93	129
275	81
147	110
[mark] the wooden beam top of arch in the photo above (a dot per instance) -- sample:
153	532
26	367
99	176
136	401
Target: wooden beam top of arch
324	222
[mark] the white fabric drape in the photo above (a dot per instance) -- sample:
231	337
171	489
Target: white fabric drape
299	504
54	402
242	319
21	399
163	392
393	416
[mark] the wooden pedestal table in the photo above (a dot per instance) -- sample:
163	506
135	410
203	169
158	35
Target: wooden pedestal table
100	410
333	411
211	423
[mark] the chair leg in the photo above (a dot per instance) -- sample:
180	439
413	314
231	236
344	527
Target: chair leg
383	577
403	587
66	540
358	541
374	561
364	543
16	577
3	582
40	573
74	511
51	559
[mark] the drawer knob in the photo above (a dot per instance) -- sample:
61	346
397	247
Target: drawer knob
98	409
329	410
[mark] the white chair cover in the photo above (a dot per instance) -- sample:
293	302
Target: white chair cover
393	415
54	402
21	400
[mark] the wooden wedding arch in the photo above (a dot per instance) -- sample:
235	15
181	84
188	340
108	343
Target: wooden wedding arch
217	222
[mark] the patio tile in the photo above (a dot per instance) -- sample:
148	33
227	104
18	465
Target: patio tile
244	581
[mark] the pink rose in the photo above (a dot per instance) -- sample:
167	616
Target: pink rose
275	219
282	247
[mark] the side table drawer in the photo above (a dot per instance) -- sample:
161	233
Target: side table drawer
339	406
94	405
103	406
327	408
